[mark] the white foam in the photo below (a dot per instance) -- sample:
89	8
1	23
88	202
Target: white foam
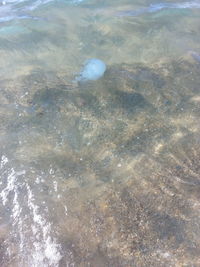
4	160
9	187
55	186
30	227
66	210
47	251
10	194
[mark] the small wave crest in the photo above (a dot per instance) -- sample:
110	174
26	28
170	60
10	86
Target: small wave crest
19	9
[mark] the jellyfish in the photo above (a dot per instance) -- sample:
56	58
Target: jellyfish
93	70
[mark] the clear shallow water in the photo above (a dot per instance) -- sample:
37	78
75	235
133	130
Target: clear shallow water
102	173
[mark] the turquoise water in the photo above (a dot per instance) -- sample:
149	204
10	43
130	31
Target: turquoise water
100	171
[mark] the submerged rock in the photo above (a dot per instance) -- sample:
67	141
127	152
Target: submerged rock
93	70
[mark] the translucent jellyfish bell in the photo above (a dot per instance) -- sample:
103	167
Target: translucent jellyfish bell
93	70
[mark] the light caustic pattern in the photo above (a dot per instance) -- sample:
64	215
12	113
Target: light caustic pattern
28	227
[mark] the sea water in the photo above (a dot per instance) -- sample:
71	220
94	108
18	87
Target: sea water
107	176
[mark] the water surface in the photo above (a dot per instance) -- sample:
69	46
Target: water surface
105	172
